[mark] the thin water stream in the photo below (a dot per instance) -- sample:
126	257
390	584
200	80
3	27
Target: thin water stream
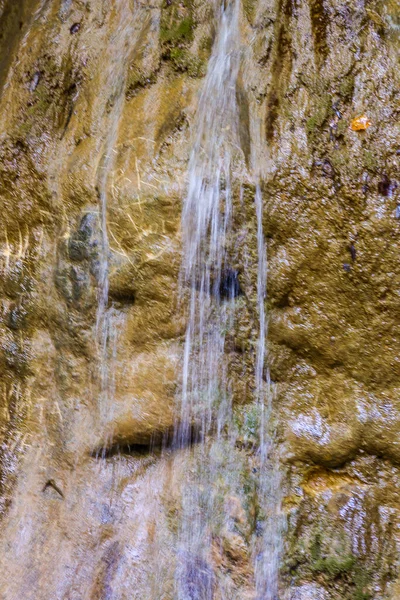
269	544
206	223
107	319
208	277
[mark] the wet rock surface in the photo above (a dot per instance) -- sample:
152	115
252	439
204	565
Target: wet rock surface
98	98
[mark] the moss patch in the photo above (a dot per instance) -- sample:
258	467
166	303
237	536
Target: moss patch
317	120
183	61
176	35
177	24
333	566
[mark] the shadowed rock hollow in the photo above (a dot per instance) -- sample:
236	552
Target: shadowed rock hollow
98	100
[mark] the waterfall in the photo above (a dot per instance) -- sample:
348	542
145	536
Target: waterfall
269	545
211	282
106	316
107	319
212	285
206	222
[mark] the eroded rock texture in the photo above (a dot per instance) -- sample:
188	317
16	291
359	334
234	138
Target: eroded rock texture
97	102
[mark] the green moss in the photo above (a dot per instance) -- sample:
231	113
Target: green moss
317	120
340	160
346	87
311	124
315	549
252	422
362	577
205	45
247	421
370	160
342	127
333	566
183	61
177	32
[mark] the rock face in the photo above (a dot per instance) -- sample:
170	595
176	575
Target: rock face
97	102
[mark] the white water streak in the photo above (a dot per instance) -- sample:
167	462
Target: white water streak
206	224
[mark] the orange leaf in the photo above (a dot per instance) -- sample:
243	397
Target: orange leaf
360	123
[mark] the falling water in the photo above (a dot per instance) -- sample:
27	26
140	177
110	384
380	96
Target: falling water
269	545
106	318
206	223
212	284
104	315
206	396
